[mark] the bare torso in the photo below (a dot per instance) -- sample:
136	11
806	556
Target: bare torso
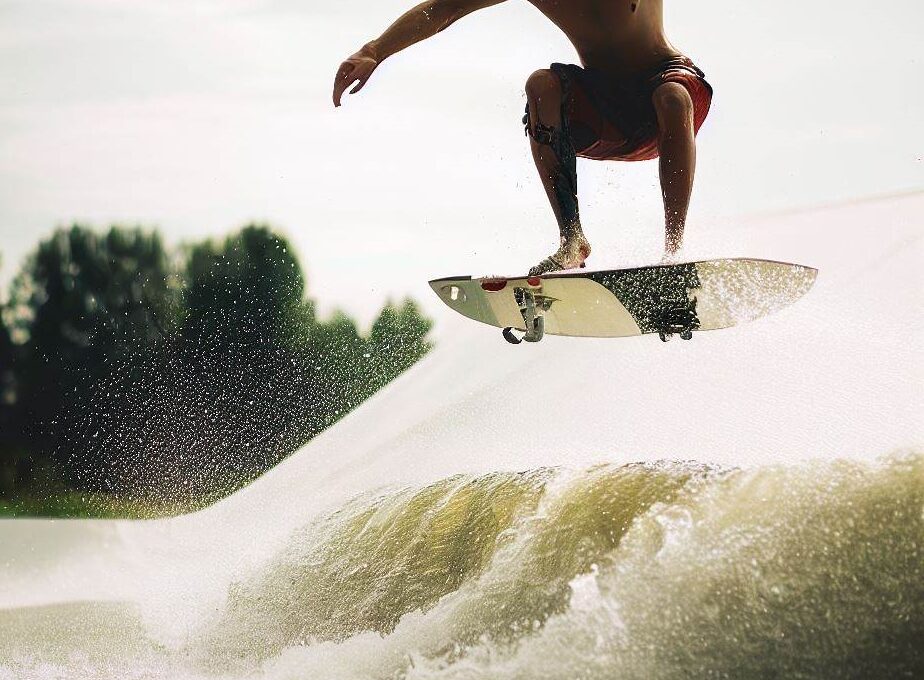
609	35
620	38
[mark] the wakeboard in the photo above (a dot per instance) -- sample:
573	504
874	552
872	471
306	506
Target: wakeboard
669	299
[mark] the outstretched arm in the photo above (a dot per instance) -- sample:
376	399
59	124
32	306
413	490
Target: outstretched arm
418	23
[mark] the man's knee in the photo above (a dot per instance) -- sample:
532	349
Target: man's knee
542	84
673	105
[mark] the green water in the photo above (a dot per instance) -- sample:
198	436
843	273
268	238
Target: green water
641	571
668	570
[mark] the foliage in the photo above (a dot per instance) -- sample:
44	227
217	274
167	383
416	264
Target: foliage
242	291
10	464
171	380
82	304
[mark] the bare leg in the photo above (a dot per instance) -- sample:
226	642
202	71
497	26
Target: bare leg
557	166
677	149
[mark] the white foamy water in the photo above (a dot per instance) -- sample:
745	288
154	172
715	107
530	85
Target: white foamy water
747	503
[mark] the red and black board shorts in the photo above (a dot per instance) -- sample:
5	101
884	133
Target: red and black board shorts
615	120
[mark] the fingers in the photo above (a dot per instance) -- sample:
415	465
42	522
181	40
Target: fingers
343	80
352	70
359	85
339	89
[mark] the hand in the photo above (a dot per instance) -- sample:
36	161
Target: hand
358	67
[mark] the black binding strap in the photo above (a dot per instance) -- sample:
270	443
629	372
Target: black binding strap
559	141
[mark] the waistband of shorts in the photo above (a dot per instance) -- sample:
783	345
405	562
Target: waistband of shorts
679	62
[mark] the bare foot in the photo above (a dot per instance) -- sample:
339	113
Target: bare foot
570	255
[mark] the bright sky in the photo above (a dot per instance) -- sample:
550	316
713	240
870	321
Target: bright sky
197	116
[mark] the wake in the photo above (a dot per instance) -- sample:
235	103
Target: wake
648	570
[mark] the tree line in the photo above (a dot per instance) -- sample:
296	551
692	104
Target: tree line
130	369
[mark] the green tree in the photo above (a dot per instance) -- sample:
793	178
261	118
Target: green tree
6	365
337	351
349	368
9	441
180	380
218	406
246	289
84	306
397	341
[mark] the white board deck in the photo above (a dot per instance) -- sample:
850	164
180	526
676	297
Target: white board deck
623	302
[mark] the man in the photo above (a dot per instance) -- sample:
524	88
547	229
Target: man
634	98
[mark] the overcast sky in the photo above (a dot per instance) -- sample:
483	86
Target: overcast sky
197	116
